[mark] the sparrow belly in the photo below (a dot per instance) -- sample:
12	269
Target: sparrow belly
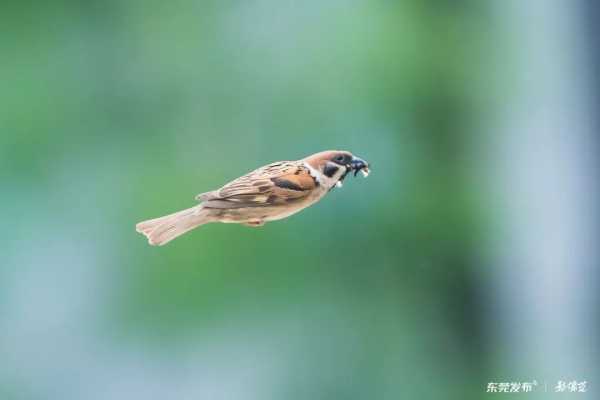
294	207
268	212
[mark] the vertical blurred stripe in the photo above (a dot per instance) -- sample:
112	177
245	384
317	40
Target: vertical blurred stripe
545	161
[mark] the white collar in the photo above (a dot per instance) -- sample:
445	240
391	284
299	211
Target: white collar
313	172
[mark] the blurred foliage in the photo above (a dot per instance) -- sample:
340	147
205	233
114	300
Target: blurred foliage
118	111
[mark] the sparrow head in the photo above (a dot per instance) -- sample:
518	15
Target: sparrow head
331	167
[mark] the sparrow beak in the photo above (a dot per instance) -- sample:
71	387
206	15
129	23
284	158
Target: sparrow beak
361	165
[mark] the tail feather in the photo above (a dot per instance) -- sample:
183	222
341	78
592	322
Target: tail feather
162	230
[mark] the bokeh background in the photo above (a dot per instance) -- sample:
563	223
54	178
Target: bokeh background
469	256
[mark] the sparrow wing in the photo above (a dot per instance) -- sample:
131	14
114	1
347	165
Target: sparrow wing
274	184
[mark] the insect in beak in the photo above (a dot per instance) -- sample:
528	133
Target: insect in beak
355	165
361	165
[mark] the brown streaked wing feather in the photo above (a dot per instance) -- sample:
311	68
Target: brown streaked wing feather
291	187
273	184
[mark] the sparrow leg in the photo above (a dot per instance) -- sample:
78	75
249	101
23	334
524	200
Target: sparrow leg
254	224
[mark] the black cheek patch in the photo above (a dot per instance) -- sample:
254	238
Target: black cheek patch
330	170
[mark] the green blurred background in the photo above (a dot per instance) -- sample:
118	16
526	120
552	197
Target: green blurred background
118	111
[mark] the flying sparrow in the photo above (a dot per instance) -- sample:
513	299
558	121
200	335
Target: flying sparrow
269	193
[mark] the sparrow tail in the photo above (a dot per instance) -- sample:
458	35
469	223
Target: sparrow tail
162	230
